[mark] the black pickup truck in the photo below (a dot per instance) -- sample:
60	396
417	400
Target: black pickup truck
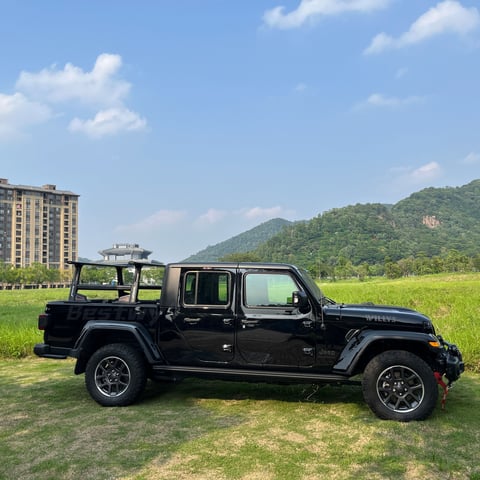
126	323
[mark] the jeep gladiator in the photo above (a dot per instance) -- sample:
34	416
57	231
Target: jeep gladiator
129	322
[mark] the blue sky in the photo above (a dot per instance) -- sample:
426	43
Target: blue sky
181	123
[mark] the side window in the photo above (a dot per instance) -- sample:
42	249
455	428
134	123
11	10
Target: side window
206	288
269	290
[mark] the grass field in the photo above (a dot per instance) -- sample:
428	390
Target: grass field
452	301
51	429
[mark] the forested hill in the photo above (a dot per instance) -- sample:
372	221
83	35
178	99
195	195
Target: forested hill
429	223
245	242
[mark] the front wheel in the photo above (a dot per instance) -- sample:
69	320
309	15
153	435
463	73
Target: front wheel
398	385
115	375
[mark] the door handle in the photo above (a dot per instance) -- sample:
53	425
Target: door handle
190	320
249	323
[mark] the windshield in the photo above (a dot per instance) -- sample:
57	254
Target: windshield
314	288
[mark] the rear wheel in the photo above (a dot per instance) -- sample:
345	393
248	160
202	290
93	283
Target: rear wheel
116	375
398	385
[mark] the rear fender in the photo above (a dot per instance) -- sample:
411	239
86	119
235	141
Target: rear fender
96	332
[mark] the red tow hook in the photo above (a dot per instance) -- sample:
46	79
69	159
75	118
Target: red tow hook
439	378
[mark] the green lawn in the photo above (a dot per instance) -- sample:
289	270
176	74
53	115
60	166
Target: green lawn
51	429
451	301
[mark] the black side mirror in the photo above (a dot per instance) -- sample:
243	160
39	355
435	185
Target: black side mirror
300	301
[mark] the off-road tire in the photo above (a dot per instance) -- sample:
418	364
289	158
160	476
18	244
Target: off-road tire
116	375
399	385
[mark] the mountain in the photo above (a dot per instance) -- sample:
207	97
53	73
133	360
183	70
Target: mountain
244	242
442	218
430	222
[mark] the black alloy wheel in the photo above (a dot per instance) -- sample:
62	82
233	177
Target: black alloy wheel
116	375
399	385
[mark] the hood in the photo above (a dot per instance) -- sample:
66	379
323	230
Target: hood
378	316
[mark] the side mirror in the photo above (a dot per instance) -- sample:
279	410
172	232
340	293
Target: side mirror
300	301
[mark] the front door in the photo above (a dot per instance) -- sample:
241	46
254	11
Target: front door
270	330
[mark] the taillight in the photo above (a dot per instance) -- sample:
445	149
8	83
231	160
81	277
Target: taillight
43	321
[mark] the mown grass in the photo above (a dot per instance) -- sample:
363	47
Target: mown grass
451	301
19	310
51	429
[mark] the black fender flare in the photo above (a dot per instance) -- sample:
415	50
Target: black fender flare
93	328
362	340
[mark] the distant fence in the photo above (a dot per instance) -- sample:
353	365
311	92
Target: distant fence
32	286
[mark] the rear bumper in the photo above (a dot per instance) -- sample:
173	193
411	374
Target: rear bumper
47	351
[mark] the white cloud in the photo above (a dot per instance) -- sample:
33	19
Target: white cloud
401	72
472	158
18	112
416	176
448	16
266	213
155	221
257	214
211	217
109	122
309	10
99	87
383	101
99	90
426	172
300	87
175	234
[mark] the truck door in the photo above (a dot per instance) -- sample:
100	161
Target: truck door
270	330
202	326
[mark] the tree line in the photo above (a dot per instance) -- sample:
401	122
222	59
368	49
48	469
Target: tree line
333	268
341	267
39	274
451	262
34	274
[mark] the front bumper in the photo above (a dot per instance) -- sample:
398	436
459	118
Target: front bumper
450	361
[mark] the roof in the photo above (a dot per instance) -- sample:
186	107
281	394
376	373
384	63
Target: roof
43	189
259	265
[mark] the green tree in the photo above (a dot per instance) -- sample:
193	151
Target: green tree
241	257
392	270
456	262
7	273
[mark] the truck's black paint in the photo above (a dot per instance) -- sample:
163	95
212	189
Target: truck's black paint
246	321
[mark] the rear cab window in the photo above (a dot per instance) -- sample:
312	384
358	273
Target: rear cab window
207	288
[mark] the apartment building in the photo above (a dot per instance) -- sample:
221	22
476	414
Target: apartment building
38	225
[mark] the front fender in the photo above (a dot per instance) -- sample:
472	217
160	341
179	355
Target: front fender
94	330
364	341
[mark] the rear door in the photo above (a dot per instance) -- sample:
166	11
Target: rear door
202	325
